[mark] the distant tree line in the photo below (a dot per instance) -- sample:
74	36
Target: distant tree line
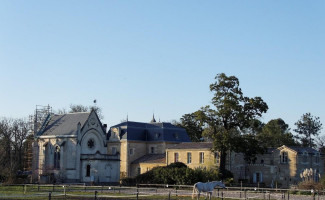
15	140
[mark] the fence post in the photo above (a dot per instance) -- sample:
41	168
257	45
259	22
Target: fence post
53	188
288	194
176	191
240	194
50	195
258	186
38	187
96	195
222	194
241	185
169	196
314	195
245	194
218	192
137	193
269	195
65	194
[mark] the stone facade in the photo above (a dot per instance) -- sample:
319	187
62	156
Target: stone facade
281	167
278	167
135	140
73	148
194	155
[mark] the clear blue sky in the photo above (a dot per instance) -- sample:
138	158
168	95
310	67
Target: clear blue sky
140	57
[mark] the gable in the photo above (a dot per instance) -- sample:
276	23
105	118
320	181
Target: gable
92	128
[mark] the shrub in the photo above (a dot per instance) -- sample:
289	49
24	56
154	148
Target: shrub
308	185
174	174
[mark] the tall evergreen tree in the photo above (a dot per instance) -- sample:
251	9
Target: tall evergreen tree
276	133
308	127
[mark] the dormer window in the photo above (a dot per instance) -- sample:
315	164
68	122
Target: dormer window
284	157
305	157
157	135
114	150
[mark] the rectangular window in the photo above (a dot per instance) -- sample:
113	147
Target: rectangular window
152	150
189	158
175	157
113	150
216	157
131	151
139	171
201	157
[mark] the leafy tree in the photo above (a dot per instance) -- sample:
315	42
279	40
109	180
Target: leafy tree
276	133
249	146
308	127
234	112
192	126
255	127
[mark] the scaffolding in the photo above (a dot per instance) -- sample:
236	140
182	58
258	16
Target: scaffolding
41	114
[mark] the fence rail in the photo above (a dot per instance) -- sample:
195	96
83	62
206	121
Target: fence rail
142	191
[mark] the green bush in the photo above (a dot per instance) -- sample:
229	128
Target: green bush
175	174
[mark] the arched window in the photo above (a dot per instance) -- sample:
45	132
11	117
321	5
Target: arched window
57	158
88	170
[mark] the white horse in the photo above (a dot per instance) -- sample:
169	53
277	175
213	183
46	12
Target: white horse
206	187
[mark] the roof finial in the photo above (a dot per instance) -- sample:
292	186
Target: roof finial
153	119
127	117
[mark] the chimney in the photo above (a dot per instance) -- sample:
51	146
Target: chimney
105	128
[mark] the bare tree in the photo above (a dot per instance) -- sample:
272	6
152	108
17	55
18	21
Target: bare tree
81	108
78	108
13	133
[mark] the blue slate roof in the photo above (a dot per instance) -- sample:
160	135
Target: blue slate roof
65	124
160	131
301	150
151	158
